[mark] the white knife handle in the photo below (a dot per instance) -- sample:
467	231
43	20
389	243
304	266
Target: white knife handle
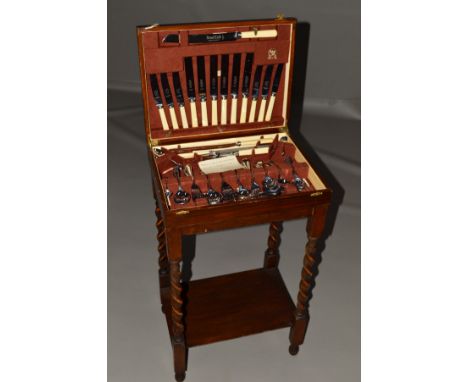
204	114
184	117
214	112
193	112
261	112
224	111
271	103
175	125
252	110
233	111
243	115
260	34
163	119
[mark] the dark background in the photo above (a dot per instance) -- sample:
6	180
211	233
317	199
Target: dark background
325	121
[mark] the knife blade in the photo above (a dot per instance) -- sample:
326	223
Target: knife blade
265	91
168	96
235	86
214	89
222	37
274	90
191	89
246	85
255	88
224	87
202	88
158	100
180	99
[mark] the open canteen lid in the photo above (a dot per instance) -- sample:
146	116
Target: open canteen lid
216	80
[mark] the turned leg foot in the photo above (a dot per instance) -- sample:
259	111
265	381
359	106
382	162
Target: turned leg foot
180	376
293	349
315	226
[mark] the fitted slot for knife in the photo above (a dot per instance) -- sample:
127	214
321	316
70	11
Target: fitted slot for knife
254	88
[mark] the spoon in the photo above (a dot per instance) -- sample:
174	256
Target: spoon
270	186
195	189
212	196
226	190
180	197
242	192
254	187
298	182
280	177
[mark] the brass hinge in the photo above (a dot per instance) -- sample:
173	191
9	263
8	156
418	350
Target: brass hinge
284	129
317	193
182	212
152	142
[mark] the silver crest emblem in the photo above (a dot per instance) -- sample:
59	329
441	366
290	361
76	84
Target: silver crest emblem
272	54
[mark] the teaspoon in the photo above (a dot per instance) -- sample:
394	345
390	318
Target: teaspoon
242	192
270	186
254	187
280	177
298	182
226	190
195	189
180	197
212	196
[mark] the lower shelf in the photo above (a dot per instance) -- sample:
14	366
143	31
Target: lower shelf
233	305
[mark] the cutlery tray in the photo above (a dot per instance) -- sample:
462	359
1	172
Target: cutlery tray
270	157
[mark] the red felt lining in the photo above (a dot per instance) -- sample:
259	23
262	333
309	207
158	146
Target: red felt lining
159	57
278	152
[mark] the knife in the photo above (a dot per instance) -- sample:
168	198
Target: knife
168	96
180	99
235	86
224	87
274	90
158	100
214	89
265	91
221	37
191	90
246	85
202	89
255	87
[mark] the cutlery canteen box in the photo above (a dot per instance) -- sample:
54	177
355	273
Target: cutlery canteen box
216	108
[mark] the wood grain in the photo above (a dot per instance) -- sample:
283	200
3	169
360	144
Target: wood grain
274	240
234	305
239	304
